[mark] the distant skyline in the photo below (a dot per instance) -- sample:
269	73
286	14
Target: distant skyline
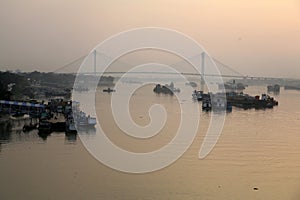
255	37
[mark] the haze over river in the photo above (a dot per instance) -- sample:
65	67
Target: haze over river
257	149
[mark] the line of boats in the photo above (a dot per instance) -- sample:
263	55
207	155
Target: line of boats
225	101
69	119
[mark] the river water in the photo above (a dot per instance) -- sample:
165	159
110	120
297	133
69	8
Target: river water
256	157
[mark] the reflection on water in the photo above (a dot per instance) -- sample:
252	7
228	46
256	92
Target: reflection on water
4	135
7	135
70	138
256	157
12	132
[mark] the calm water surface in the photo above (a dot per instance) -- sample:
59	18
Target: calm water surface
257	149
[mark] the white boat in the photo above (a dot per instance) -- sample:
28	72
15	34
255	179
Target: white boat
82	120
80	117
92	121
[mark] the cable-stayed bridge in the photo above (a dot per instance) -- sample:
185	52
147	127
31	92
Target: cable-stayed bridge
225	70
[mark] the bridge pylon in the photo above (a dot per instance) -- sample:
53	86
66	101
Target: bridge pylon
202	70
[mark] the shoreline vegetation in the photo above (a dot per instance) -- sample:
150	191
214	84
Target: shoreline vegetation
29	93
25	86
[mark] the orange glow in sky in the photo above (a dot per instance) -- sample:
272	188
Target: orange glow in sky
256	37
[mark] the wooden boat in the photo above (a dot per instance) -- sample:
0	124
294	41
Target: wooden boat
109	90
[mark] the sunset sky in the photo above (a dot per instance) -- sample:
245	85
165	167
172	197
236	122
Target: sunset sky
256	37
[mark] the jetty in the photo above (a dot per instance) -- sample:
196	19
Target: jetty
57	115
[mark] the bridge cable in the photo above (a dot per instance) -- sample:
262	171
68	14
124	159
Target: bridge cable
67	65
229	68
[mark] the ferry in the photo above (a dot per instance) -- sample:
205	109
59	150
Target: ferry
81	120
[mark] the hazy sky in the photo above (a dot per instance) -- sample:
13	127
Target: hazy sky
256	37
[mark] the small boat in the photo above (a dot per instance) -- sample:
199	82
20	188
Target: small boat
197	95
232	86
109	90
81	120
166	89
92	121
162	89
